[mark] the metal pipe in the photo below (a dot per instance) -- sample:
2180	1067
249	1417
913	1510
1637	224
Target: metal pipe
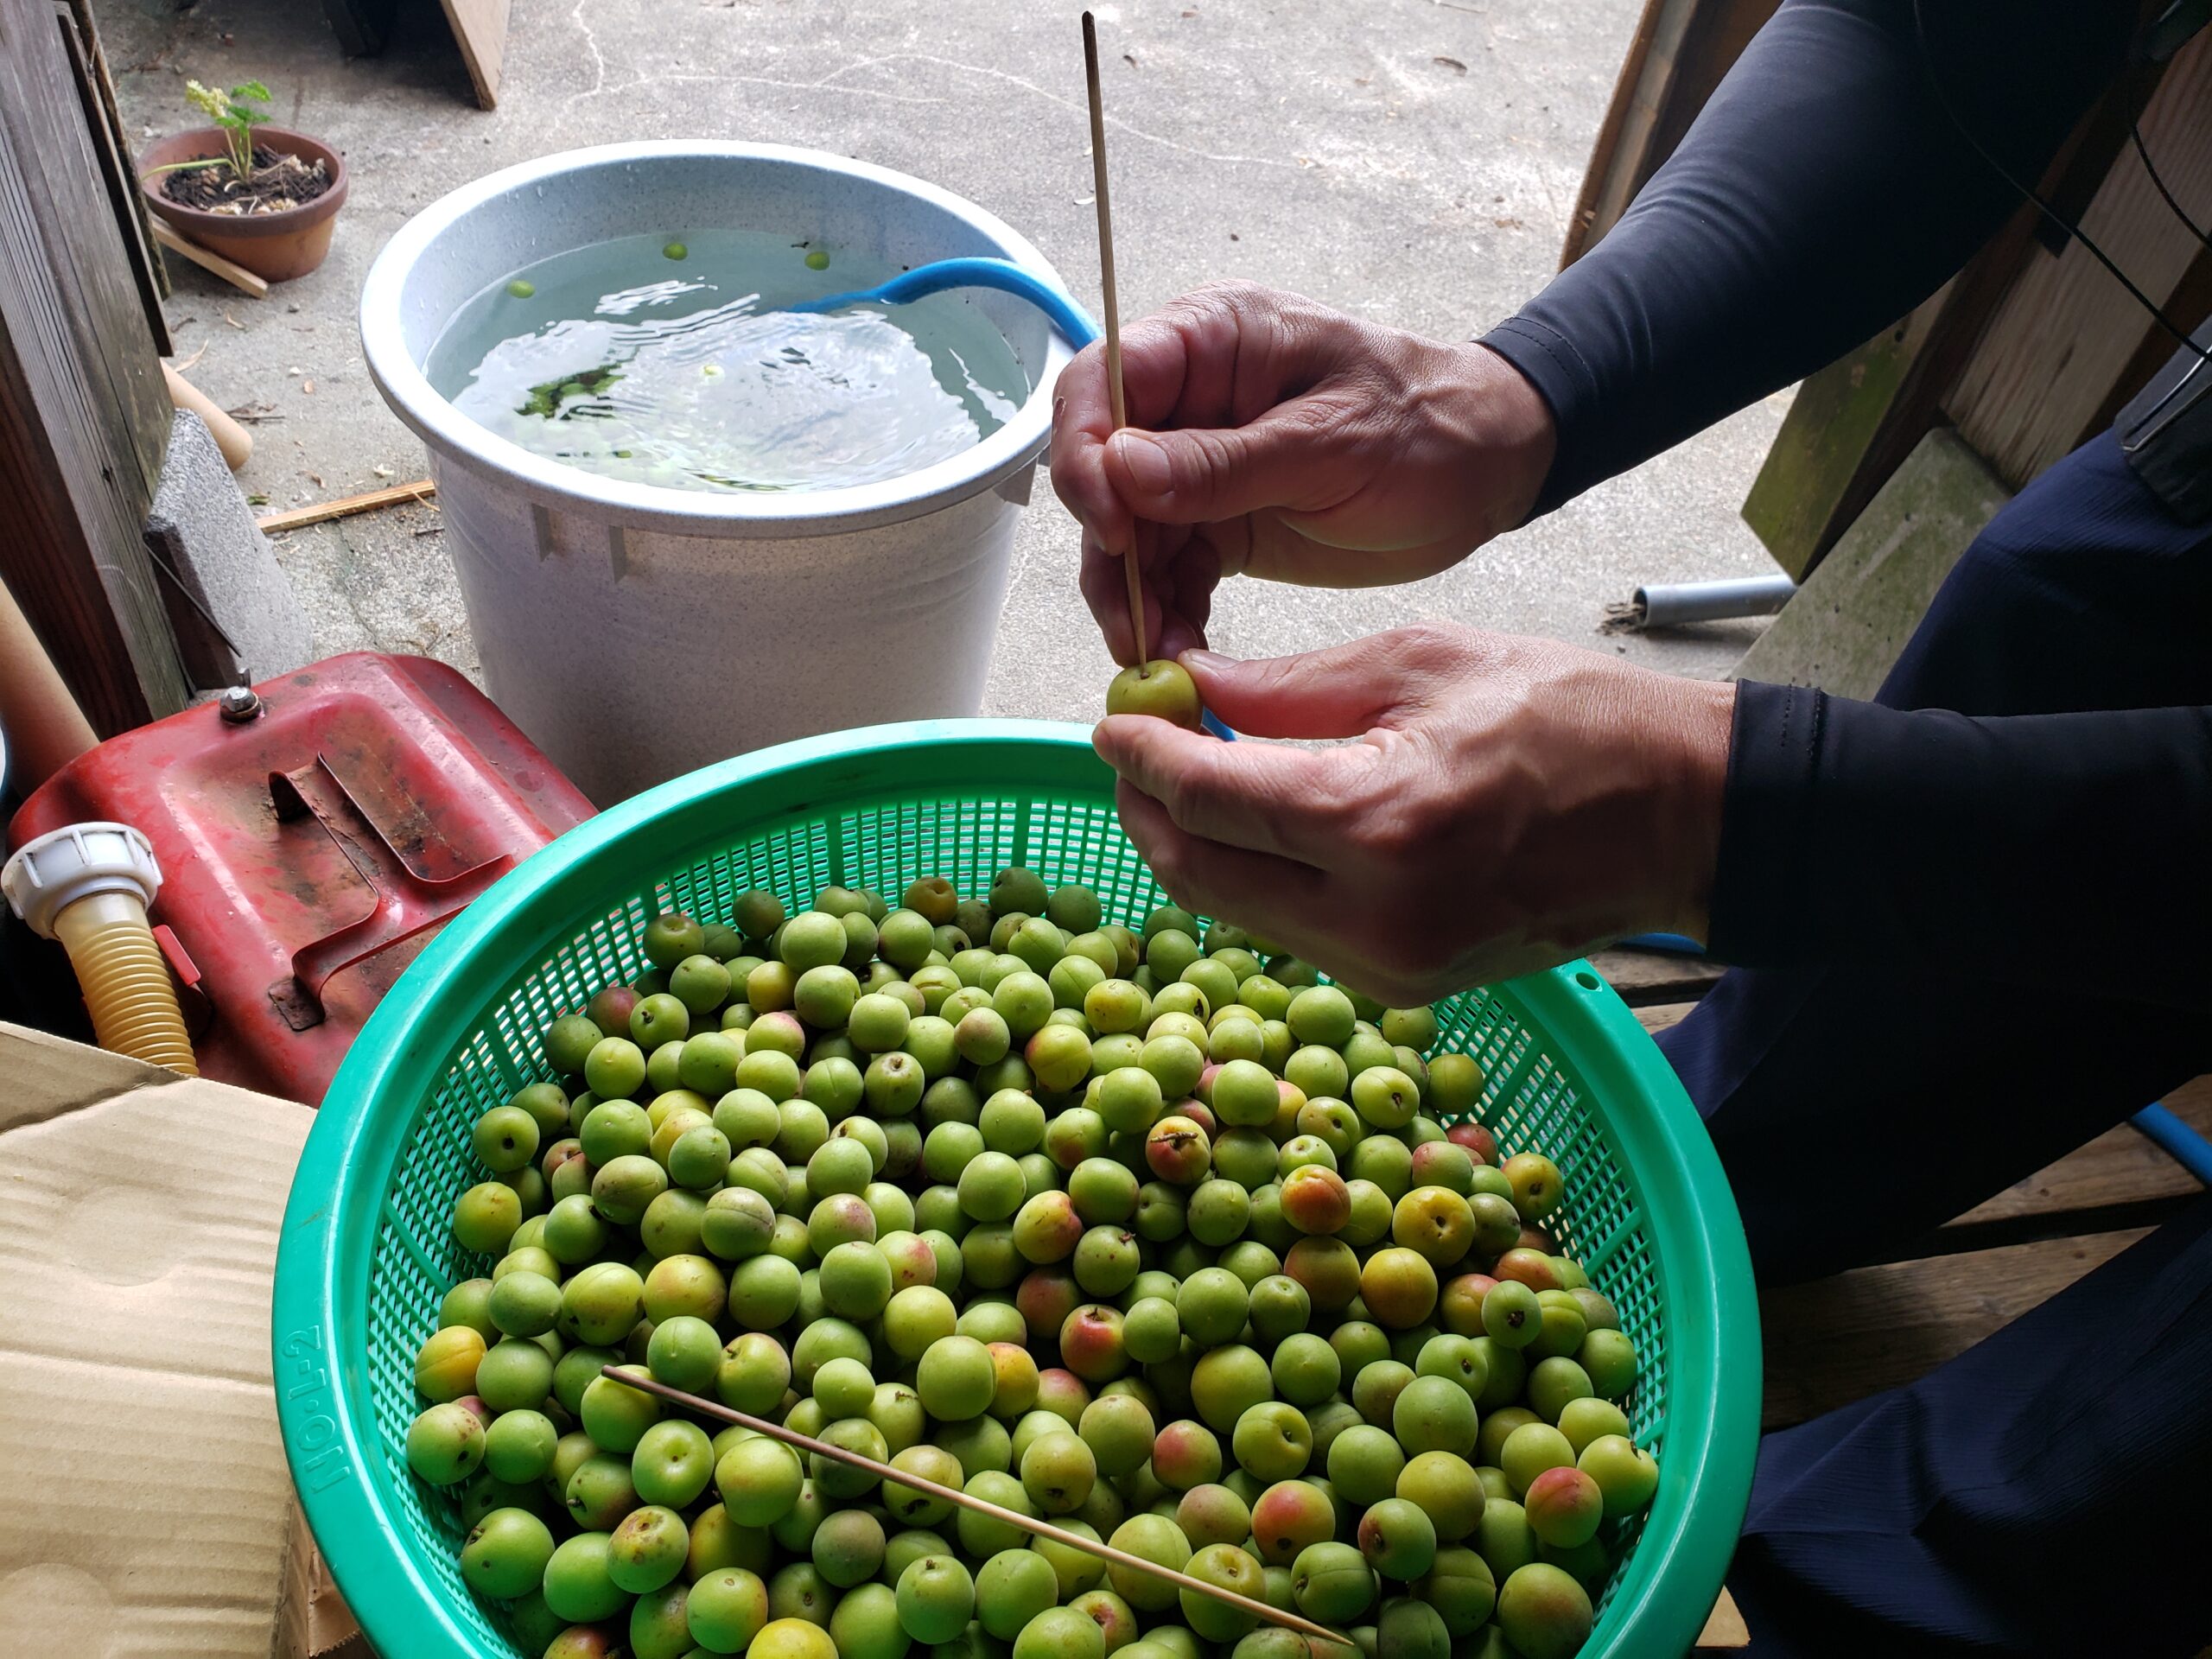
1670	605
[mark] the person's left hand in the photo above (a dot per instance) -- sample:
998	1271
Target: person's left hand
1510	802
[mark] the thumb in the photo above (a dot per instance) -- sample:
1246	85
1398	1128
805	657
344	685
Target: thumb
1342	691
1203	475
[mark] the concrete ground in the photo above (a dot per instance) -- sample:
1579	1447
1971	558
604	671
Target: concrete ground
1411	161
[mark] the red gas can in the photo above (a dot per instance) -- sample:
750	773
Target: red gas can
313	837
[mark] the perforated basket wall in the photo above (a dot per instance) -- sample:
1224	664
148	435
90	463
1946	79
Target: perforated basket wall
367	1253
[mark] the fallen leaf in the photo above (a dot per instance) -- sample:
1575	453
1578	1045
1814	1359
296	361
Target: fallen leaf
1451	63
257	500
314	479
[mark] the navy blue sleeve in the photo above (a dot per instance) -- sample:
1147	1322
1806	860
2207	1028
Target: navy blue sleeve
2031	848
1821	195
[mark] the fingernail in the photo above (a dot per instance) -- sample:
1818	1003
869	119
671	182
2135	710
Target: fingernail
1208	661
1146	460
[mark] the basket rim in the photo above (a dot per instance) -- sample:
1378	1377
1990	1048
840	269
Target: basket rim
320	1302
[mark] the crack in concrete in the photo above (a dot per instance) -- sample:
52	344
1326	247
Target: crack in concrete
598	57
833	82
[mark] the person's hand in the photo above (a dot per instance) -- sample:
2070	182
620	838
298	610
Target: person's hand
1284	440
1510	802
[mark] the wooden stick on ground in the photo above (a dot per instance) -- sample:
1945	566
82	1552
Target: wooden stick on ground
346	506
231	272
953	1494
1112	302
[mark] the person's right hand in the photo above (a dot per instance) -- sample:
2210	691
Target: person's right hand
1271	436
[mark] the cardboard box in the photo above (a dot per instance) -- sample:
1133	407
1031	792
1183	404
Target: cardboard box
150	1511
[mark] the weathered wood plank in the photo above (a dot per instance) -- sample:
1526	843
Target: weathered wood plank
1852	424
1680	52
1840	1339
2120	1179
1647	976
2119	1167
2054	353
83	418
479	28
104	120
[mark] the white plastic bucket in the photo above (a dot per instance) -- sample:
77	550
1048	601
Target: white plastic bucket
636	632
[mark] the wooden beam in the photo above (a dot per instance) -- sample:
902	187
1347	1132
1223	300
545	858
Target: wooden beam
2062	347
1853	422
104	120
480	29
1642	976
346	506
1681	51
84	417
207	259
1840	1339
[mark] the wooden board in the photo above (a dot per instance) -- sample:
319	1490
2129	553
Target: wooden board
207	259
2122	1178
104	120
1645	976
1840	1339
479	28
2121	1170
84	417
1680	52
1725	1630
1853	423
2057	356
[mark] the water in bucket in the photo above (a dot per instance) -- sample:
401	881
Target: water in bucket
674	362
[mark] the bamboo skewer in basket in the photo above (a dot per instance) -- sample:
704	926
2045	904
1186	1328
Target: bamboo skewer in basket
954	1496
1112	303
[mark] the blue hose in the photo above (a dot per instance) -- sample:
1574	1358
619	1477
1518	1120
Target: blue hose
1002	274
2176	1139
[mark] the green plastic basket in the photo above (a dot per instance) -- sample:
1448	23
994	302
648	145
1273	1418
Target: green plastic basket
365	1255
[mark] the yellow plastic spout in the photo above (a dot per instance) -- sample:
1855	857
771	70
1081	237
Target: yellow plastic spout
125	980
89	885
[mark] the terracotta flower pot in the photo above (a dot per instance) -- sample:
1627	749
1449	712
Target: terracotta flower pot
277	246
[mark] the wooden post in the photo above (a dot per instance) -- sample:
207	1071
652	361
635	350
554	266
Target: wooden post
84	415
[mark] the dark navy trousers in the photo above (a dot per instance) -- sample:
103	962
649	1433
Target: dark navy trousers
2049	1490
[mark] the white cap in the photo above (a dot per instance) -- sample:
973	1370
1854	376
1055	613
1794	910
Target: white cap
52	873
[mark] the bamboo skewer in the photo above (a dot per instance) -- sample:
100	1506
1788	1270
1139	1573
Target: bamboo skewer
1113	308
953	1494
